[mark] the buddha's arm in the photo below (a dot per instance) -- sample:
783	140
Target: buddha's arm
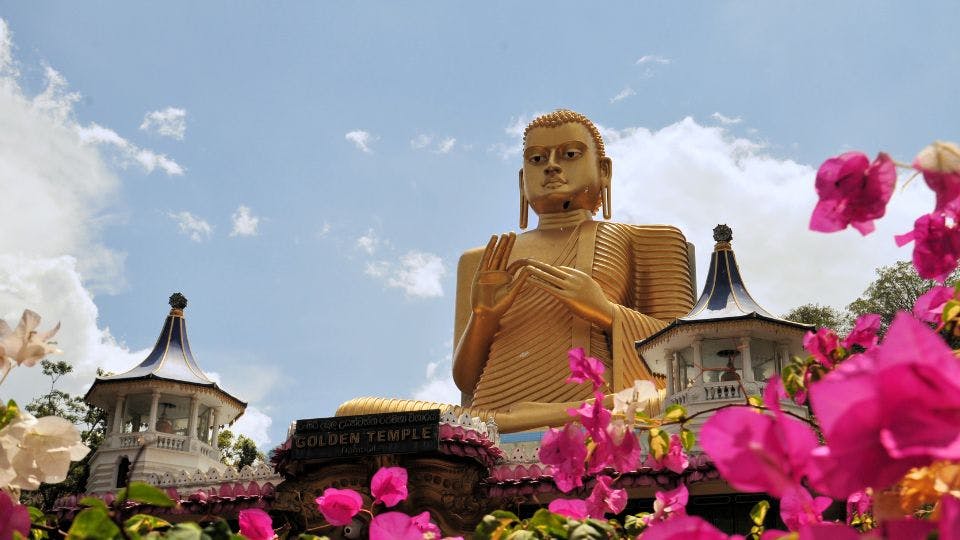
485	290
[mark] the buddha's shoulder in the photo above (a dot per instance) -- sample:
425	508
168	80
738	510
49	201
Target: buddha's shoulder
663	233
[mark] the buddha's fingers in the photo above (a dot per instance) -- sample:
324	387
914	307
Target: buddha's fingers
561	272
546	280
501	253
487	255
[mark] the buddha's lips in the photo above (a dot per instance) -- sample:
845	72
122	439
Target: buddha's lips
555	182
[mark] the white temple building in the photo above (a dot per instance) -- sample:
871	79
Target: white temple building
163	417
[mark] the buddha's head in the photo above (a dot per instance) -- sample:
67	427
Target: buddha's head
564	166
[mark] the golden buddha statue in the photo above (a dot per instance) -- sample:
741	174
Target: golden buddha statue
524	300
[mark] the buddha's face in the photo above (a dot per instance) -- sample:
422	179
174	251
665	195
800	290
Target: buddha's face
561	170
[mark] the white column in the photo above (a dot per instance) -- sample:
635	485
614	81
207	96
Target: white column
668	359
784	350
747	363
117	427
192	421
216	427
154	405
698	356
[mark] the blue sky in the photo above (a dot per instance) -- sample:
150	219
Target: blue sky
313	170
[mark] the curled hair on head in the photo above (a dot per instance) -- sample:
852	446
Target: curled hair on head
566	116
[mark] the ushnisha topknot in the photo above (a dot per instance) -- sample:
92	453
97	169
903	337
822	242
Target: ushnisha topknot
565	116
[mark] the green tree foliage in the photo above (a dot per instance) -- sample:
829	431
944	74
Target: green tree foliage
90	420
238	452
896	288
820	316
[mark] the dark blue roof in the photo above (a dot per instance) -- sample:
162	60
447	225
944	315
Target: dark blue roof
171	358
724	294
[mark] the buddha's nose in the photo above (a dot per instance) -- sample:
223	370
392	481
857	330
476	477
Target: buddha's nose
552	166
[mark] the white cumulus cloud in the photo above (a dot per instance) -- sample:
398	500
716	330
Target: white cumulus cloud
196	228
369	242
696	176
170	122
623	94
418	274
424	141
653	59
361	139
244	222
723	119
438	385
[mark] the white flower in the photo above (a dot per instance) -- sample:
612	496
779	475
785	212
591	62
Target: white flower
24	345
627	401
35	450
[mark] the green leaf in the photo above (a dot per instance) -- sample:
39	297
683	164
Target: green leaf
184	531
36	515
305	536
93	524
674	412
93	502
9	413
634	525
495	524
522	535
590	530
659	442
756	401
549	524
144	523
146	494
220	530
688	438
759	512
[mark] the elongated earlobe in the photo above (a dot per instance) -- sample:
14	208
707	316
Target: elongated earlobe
605	201
524	206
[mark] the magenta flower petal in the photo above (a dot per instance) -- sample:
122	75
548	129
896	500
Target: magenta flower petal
822	344
389	485
940	165
398	526
338	506
604	500
14	517
829	531
585	368
675	459
936	246
256	524
683	528
572	508
929	306
864	332
593	416
755	452
565	450
799	508
852	191
618	448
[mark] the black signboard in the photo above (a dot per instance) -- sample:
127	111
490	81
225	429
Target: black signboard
367	434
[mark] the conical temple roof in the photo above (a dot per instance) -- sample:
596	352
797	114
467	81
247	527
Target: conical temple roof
724	294
724	297
171	358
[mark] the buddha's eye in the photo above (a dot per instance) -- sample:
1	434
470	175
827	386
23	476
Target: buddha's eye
571	153
537	158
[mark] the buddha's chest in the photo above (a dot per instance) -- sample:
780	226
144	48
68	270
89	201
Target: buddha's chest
553	247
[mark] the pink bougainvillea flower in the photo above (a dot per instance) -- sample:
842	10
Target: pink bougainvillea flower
882	412
936	246
685	528
400	526
940	165
389	485
858	503
565	450
13	518
572	508
755	452
675	459
822	344
798	508
604	500
828	531
619	449
864	333
949	518
593	416
338	506
668	504
929	306
256	524
585	368
852	192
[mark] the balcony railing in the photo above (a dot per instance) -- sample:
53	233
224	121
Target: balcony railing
715	391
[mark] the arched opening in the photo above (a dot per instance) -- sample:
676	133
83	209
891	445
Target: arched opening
122	471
